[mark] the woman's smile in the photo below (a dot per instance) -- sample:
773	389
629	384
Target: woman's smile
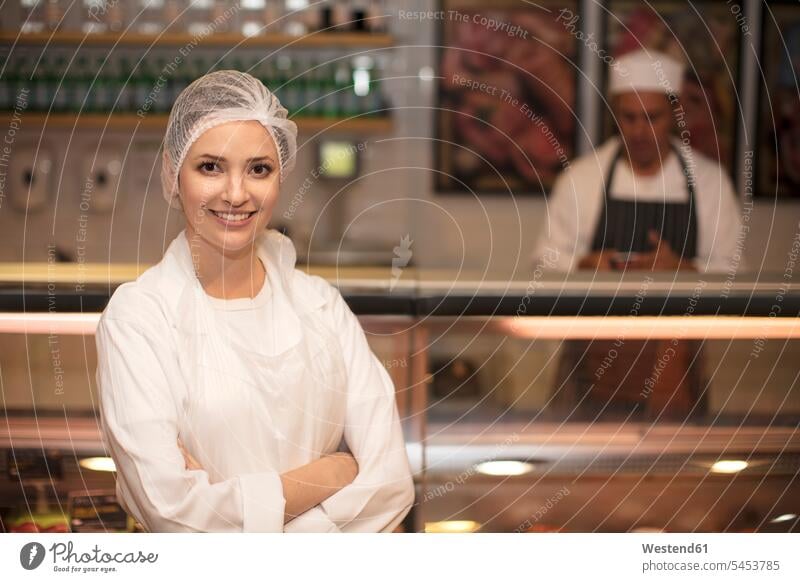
233	219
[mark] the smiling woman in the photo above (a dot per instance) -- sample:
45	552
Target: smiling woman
229	380
228	195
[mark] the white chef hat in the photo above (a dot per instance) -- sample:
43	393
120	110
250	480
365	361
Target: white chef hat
645	70
212	100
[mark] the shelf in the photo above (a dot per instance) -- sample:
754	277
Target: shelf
159	121
314	39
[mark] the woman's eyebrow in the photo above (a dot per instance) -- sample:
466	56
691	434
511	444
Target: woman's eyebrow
222	159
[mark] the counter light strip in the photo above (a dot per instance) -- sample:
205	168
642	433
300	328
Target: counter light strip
533	327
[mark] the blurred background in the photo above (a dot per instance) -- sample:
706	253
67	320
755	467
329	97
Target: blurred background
431	137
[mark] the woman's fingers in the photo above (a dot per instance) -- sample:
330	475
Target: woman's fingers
190	462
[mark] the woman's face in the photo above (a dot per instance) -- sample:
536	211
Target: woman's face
229	184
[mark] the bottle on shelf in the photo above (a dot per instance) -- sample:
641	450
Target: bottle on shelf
124	86
172	13
150	17
163	87
308	83
329	106
60	90
377	17
340	17
143	81
314	101
223	16
17	79
273	16
53	15
32	17
358	15
345	97
374	101
102	86
40	100
294	91
5	86
181	77
197	17
114	15
281	71
81	80
201	67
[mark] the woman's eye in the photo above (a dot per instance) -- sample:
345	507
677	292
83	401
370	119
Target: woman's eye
208	167
261	170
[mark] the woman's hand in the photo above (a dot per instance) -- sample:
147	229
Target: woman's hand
344	467
311	484
191	462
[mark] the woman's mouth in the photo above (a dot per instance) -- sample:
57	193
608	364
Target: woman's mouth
233	219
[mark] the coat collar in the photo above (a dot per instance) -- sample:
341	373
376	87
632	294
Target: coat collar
280	256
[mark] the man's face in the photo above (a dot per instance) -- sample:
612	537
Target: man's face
645	124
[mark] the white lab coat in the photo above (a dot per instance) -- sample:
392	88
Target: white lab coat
166	371
576	201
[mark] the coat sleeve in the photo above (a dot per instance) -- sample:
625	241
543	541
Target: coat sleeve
559	246
382	493
136	375
721	234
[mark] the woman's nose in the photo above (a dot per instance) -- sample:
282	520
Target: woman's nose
235	193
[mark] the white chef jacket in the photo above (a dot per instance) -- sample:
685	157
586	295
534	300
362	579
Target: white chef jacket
249	401
576	202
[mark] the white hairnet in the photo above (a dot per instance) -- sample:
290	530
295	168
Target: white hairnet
214	99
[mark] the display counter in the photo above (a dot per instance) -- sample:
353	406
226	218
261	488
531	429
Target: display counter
480	368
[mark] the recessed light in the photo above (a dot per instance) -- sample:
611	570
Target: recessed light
98	464
459	526
729	466
784	517
504	468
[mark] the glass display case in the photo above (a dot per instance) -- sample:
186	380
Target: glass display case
667	404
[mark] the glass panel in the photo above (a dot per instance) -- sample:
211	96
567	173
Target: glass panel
48	374
491	376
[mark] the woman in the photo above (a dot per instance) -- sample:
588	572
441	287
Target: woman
227	378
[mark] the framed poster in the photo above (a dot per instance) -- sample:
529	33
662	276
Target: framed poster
506	120
706	37
777	153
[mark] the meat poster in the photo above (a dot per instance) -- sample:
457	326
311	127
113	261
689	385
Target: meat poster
506	119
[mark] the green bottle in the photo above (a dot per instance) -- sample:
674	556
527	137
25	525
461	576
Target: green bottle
162	87
279	84
18	82
102	97
60	95
122	85
5	85
374	102
305	88
345	97
267	74
293	90
142	87
81	89
40	100
330	105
